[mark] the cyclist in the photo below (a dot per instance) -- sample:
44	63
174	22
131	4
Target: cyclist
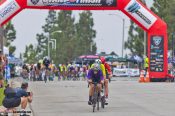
46	62
94	75
108	76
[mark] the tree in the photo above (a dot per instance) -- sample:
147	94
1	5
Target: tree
10	35
42	45
12	49
73	39
85	34
30	54
135	40
66	39
42	39
50	21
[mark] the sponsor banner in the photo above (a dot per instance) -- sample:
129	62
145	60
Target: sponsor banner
126	72
157	54
140	13
73	3
8	8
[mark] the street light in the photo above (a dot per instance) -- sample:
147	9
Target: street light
55	41
145	34
123	34
49	40
52	43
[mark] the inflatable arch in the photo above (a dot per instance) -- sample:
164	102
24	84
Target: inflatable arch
135	10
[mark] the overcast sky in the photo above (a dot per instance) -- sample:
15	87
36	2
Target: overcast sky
109	29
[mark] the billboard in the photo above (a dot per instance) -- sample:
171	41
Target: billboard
141	14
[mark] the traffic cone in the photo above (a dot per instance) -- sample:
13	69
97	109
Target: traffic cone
147	79
141	79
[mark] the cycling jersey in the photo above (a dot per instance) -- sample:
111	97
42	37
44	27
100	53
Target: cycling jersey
95	77
107	68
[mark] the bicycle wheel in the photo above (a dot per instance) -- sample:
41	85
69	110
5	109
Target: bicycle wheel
103	101
93	104
93	108
98	103
94	100
45	79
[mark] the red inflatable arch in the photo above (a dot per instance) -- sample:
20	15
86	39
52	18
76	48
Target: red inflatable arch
135	10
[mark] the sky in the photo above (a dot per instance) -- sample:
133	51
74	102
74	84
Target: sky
108	24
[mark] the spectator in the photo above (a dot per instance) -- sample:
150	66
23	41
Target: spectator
146	64
15	97
1	81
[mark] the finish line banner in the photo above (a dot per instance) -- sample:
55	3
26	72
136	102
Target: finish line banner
73	3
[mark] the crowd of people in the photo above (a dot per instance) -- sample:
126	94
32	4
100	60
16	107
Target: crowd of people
43	71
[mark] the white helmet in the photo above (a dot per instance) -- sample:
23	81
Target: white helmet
98	61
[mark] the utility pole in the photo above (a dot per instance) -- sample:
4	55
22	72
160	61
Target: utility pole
123	32
123	36
145	35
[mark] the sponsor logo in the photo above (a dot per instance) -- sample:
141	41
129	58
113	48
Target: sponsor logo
72	2
109	2
35	1
7	9
57	2
11	6
140	13
134	8
157	40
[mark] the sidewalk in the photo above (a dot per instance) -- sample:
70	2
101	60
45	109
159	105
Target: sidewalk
16	82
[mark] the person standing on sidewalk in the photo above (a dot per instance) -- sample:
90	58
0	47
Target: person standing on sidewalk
146	64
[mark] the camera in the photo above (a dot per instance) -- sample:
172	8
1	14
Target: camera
28	93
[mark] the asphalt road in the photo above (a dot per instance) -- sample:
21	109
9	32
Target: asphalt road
127	98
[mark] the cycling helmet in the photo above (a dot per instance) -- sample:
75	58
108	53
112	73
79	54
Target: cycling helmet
103	60
98	61
96	67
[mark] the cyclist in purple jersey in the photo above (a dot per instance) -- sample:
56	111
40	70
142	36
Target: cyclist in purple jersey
94	75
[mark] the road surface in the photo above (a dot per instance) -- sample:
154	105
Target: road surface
127	98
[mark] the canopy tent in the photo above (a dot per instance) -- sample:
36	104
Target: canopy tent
84	59
13	60
89	57
135	59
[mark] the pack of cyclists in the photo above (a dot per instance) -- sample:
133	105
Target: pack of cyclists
46	70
